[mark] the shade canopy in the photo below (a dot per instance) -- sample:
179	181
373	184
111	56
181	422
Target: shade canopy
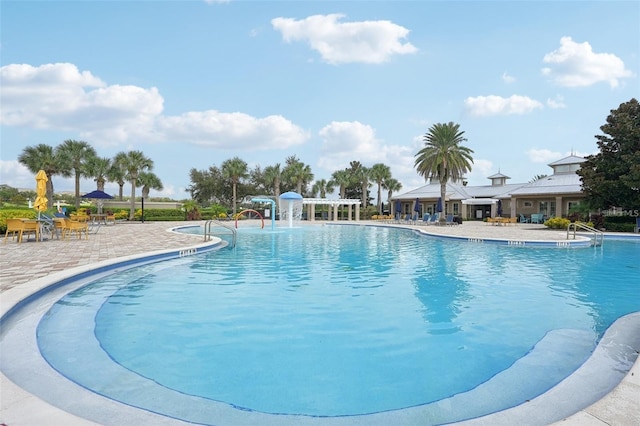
98	195
290	196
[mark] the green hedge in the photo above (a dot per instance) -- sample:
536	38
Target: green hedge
619	223
15	213
159	215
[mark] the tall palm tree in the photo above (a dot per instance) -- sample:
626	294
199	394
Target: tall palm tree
322	187
298	173
118	172
443	157
148	181
392	185
73	157
360	175
98	168
135	162
234	169
341	179
273	177
379	173
41	157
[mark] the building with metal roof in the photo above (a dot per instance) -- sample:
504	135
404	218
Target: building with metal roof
552	195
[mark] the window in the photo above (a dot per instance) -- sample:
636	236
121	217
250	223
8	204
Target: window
456	209
528	204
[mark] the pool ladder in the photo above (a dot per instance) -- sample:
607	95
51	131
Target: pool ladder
208	225
598	236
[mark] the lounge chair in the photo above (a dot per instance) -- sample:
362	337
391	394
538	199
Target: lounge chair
523	219
425	218
449	220
434	219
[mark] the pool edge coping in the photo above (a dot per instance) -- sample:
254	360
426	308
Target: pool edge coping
632	377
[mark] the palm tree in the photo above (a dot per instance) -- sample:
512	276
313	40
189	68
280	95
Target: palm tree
118	172
41	157
298	173
148	181
360	175
443	157
392	185
99	168
322	187
379	173
73	157
134	162
273	177
342	180
234	169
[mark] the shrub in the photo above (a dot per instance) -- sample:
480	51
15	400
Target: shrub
557	223
15	213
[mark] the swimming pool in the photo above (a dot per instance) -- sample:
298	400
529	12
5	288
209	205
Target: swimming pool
344	321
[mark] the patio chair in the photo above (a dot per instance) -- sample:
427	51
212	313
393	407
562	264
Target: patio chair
59	227
425	218
15	227
77	227
537	218
434	219
523	219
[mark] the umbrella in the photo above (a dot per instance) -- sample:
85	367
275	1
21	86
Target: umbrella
398	206
439	205
98	195
499	207
41	192
416	207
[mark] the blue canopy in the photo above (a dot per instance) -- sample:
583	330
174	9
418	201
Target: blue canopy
99	195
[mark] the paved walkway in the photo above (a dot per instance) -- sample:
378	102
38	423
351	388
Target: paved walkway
26	262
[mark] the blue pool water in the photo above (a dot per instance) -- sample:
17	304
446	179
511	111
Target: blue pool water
339	320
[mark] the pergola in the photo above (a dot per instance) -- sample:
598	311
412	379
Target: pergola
333	206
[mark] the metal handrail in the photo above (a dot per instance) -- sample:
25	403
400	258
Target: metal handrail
596	233
207	230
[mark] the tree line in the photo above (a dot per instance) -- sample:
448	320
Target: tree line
79	159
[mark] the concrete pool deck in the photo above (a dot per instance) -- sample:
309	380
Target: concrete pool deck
27	264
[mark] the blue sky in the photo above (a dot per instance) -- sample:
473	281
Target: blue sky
194	83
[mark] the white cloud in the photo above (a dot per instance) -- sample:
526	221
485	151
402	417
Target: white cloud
232	130
547	156
14	174
60	97
543	155
480	169
346	42
497	105
576	65
507	78
556	103
343	142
